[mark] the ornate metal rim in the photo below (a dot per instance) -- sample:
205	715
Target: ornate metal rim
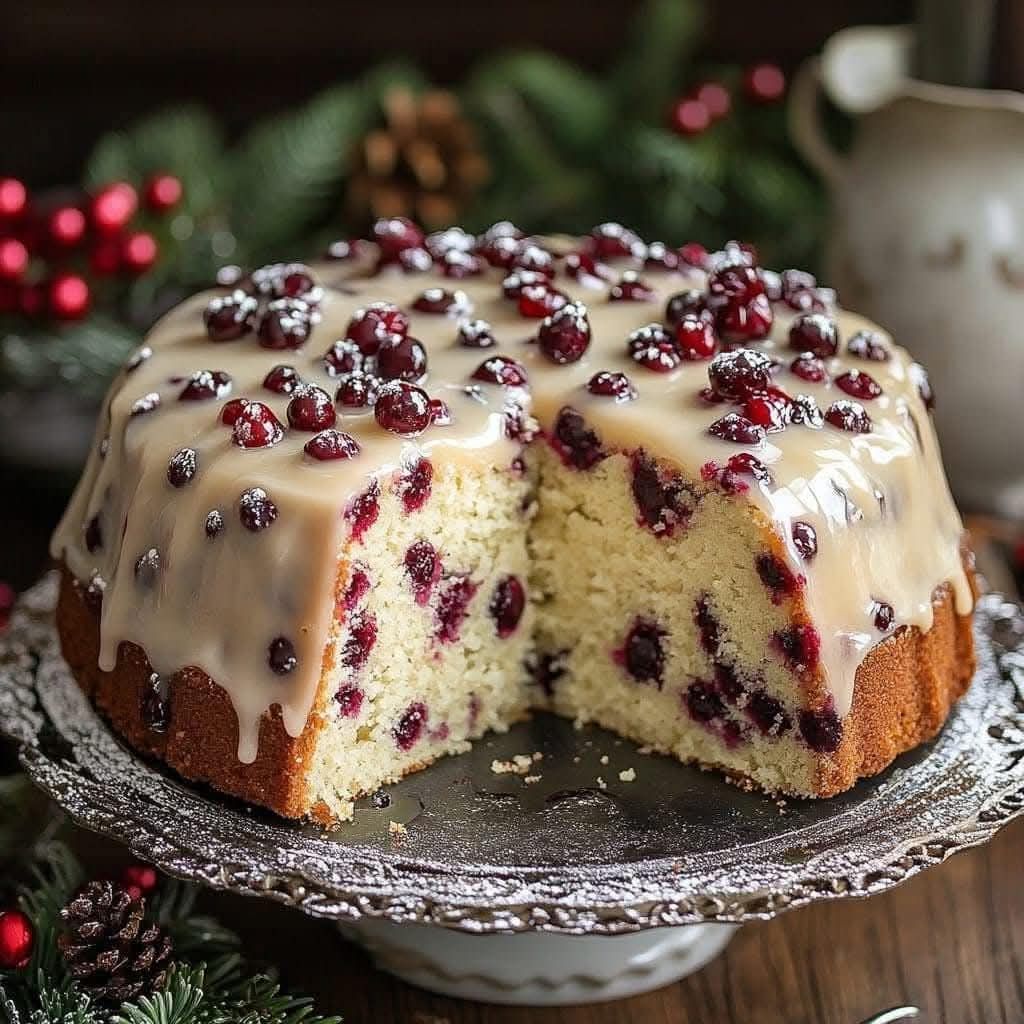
957	795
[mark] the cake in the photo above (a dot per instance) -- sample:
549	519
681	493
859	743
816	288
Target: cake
344	518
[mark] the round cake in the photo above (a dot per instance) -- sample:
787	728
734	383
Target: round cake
341	519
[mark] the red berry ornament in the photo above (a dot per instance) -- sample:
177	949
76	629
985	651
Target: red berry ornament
139	879
13	259
162	192
13	197
17	937
66	226
764	83
139	252
68	297
715	97
690	116
113	206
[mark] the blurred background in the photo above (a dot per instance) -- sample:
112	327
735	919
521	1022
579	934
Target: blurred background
145	147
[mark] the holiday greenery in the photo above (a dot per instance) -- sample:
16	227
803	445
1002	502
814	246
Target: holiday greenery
677	151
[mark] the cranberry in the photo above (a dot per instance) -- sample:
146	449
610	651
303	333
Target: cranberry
851	416
350	701
534	258
734	375
395	234
801	647
357	587
408	729
458	265
537	301
205	384
772	283
357	391
345	357
768	713
796	281
156	703
214	523
805	539
501	370
230	316
423	567
281	656
582	267
232	410
513	285
414	485
282	380
370	326
707	625
402	408
565	335
631	289
612	385
662	498
452	239
822	731
476	334
149	402
499	243
811	300
401	358
703	703
286	324
742	464
330	445
693	254
654	348
734	280
93	535
507	605
415	261
137	358
575	442
182	467
807	366
610	241
919	376
362	636
255	510
642	654
738	429
868	345
453	607
147	567
859	384
745	321
440	414
687	304
286	281
363	509
805	411
814	333
255	426
660	257
778	577
441	301
884	616
695	338
518	426
769	409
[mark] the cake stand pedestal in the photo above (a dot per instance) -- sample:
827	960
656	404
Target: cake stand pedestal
613	873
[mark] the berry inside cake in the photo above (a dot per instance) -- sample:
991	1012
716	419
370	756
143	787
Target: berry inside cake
342	519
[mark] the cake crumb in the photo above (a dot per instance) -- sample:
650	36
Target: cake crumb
576	760
531	779
601	784
396	828
604	759
645	750
519	765
629	775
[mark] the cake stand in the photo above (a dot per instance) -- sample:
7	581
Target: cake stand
608	873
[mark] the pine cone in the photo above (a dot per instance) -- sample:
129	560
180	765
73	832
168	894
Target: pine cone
110	951
424	162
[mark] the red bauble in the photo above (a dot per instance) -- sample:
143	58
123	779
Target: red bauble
139	252
65	227
17	937
715	96
764	83
13	197
13	259
68	297
139	879
113	206
690	116
162	192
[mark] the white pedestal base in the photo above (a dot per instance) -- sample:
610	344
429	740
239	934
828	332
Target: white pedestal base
538	968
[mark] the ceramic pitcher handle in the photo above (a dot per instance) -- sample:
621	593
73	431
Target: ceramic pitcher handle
805	125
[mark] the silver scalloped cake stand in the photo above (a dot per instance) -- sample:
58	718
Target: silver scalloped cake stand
576	887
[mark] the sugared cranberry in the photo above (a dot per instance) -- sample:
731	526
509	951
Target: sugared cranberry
331	445
414	484
370	326
744	321
850	416
745	464
440	414
453	239
499	243
734	375
93	535
350	701
402	408
149	402
453	607
582	267
919	376
286	281
534	258
501	370
362	636
707	625
442	302
476	334
631	289
805	539
343	249
663	500
182	467
408	729
230	316
395	234
772	283
205	384
575	442
611	241
214	523
884	616
703	703
801	647
357	391
156	703
286	324
255	509
147	567
415	260
507	605
769	409
401	358
459	265
282	380
690	303
232	410
807	366
734	280
768	714
423	567
654	348
693	254
537	301
518	425
695	338
363	509
255	426
858	384
659	256
565	335
612	385
868	345
814	333
512	286
281	656
642	653
738	429
345	356
778	577
805	412
822	731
